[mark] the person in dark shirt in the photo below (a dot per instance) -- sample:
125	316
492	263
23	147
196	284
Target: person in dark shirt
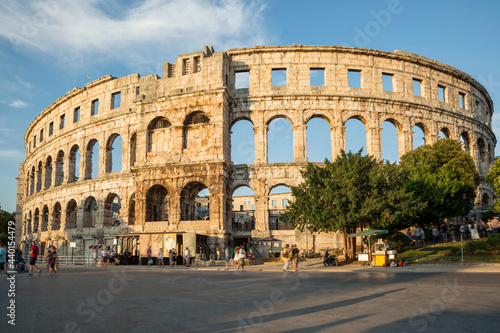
295	257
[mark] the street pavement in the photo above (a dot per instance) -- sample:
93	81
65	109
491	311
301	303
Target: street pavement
418	298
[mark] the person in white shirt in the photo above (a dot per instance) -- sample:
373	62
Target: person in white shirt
187	256
416	236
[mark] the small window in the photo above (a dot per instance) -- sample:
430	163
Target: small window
241	208
242	80
94	108
186	63
317	77
51	128
387	81
34	141
461	100
275	203
62	119
253	206
279	77
76	115
29	147
416	87
137	91
441	94
41	135
285	202
354	78
197	65
115	100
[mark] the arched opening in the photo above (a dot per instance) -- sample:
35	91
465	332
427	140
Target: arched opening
36	220
92	159
28	179
485	200
56	217
279	199
158	134
32	181
133	149
444	133
242	142
465	141
390	144
491	154
112	206
89	218
319	142
29	223
39	177
131	210
195	133
48	173
355	136
418	136
156	204
71	209
279	141
195	202
45	218
113	154
59	168
243	208
74	164
481	149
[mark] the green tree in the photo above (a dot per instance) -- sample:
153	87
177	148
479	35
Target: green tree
350	193
493	178
443	176
5	217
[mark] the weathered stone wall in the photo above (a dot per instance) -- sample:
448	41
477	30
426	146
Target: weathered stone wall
176	137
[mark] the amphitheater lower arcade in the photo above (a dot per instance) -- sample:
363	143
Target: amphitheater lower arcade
141	161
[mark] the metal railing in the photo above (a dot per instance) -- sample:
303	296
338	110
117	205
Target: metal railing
64	260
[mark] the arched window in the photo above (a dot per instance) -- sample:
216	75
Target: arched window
131	210
242	142
418	136
39	177
59	168
74	164
319	142
112	206
465	141
390	144
56	217
279	199
157	204
45	218
243	209
133	149
92	159
157	134
71	209
36	220
279	141
195	202
114	154
48	173
195	134
89	218
355	136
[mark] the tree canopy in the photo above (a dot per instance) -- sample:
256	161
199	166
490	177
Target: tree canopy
493	178
5	217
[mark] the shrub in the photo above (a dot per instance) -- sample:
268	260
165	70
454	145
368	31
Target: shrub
493	241
476	245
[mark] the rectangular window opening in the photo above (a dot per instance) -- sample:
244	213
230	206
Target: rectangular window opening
354	78
76	115
416	87
115	100
34	141
41	135
461	100
51	128
61	121
242	80
186	63
441	94
387	81
317	77
285	202
278	77
197	64
94	109
275	203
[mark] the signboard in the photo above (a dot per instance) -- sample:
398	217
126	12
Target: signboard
363	257
72	244
101	241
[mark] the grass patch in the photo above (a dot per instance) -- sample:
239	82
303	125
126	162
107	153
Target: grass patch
442	254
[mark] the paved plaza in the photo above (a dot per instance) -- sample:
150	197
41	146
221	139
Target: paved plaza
260	299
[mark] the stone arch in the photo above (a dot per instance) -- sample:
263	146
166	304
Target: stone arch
91	161
71	216
39	177
444	133
113	161
243	208
131	210
112	206
45	218
133	149
417	140
32	181
491	154
390	132
74	164
189	200
56	216
318	116
59	178
157	204
28	178
280	140
278	199
30	219
36	220
242	141
354	135
48	172
158	134
89	217
465	141
195	130
318	139
481	148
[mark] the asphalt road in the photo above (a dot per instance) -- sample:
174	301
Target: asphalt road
135	299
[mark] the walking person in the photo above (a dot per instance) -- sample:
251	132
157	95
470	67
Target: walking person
95	256
482	228
160	258
295	258
105	257
34	255
217	250
227	256
3	258
489	228
148	252
46	257
422	237
52	259
187	255
286	257
236	259
171	257
243	256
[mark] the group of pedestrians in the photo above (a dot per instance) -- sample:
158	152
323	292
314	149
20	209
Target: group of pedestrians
290	256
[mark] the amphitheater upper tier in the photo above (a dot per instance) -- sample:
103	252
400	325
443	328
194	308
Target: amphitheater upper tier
175	135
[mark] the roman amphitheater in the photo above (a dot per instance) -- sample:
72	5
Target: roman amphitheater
174	136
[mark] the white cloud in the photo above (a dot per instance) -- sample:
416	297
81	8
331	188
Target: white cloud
146	31
19	104
25	84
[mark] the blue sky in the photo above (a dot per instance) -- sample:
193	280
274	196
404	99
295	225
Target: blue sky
49	47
